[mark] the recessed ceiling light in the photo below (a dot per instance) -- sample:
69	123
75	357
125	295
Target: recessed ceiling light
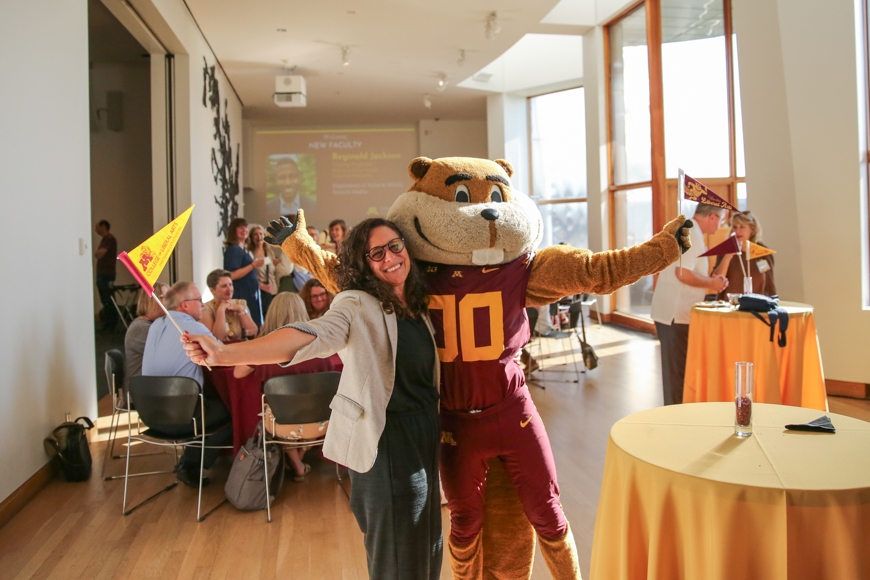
282	30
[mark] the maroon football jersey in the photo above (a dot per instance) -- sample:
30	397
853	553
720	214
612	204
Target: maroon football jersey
479	315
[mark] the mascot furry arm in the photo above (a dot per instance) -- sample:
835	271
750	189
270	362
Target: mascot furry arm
601	273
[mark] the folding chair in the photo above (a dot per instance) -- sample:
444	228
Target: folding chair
124	298
296	400
169	402
575	311
588	301
115	363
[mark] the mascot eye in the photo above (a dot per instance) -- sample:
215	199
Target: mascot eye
462	194
495	193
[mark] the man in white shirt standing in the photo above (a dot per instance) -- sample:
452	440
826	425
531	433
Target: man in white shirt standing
677	290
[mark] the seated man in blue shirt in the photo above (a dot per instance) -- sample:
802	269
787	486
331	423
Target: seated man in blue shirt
164	356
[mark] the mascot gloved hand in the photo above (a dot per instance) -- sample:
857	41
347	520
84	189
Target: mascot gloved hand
475	238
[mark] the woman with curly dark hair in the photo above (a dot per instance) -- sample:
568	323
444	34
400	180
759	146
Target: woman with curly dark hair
384	425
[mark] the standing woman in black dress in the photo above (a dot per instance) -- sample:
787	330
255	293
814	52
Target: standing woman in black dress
384	423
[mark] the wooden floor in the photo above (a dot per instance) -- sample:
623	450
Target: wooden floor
77	530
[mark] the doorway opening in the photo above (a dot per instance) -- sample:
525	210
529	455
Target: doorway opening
121	171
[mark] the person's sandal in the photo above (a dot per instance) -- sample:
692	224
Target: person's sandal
300	477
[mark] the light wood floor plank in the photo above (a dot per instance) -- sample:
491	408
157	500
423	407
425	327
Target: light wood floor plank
77	530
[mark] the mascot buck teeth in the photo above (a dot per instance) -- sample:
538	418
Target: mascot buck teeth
475	239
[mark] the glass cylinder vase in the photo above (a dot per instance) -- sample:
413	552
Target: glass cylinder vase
743	388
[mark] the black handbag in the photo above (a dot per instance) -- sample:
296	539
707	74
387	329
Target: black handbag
759	303
246	484
70	443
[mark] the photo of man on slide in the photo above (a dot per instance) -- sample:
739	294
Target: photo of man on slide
291	183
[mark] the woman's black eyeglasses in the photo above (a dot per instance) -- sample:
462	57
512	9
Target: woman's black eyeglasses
378	253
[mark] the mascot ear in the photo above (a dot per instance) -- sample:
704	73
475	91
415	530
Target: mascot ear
508	168
418	167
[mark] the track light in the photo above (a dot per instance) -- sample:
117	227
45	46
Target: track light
442	82
345	55
427	102
492	26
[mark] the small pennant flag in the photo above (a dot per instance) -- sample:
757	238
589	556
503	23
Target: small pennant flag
729	246
697	191
147	260
758	251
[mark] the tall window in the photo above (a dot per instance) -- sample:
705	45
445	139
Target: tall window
558	145
631	182
673	103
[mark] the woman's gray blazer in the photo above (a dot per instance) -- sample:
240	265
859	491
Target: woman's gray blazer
357	328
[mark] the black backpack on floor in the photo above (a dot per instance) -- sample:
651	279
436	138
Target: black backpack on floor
70	443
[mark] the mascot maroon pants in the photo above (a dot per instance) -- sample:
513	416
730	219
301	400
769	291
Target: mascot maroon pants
513	432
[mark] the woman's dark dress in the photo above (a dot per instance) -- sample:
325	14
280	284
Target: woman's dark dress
398	502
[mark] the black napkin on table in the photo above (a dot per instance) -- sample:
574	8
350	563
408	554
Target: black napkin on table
821	425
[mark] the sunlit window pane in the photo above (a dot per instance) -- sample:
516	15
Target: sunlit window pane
742	203
633	225
629	83
565	222
738	115
694	84
558	125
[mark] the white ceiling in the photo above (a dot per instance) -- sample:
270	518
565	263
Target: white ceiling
398	50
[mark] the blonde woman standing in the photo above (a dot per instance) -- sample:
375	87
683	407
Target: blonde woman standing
745	226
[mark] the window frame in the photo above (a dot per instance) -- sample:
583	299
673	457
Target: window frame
865	45
663	188
529	129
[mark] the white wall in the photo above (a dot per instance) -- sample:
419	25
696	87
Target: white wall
200	250
47	359
804	159
446	138
508	135
121	161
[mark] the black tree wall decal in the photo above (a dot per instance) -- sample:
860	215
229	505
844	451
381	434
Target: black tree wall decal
224	168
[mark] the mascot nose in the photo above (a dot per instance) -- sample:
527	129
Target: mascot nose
489	214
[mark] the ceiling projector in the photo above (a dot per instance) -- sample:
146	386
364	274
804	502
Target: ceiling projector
290	91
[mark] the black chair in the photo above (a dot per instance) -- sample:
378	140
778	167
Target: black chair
115	365
166	404
296	400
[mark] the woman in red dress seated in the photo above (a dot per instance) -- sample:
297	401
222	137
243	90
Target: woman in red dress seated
285	309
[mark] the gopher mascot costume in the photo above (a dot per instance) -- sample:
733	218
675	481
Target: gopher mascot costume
475	240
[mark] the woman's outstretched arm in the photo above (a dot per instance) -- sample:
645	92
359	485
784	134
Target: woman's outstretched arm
279	346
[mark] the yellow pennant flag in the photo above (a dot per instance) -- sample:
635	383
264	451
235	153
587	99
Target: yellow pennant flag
147	260
758	251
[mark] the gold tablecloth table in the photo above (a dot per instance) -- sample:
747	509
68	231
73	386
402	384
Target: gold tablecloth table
790	375
683	498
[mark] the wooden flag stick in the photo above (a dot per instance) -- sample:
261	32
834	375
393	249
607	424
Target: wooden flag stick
169	316
747	259
740	261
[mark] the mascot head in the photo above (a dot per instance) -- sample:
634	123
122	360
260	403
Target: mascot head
462	211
